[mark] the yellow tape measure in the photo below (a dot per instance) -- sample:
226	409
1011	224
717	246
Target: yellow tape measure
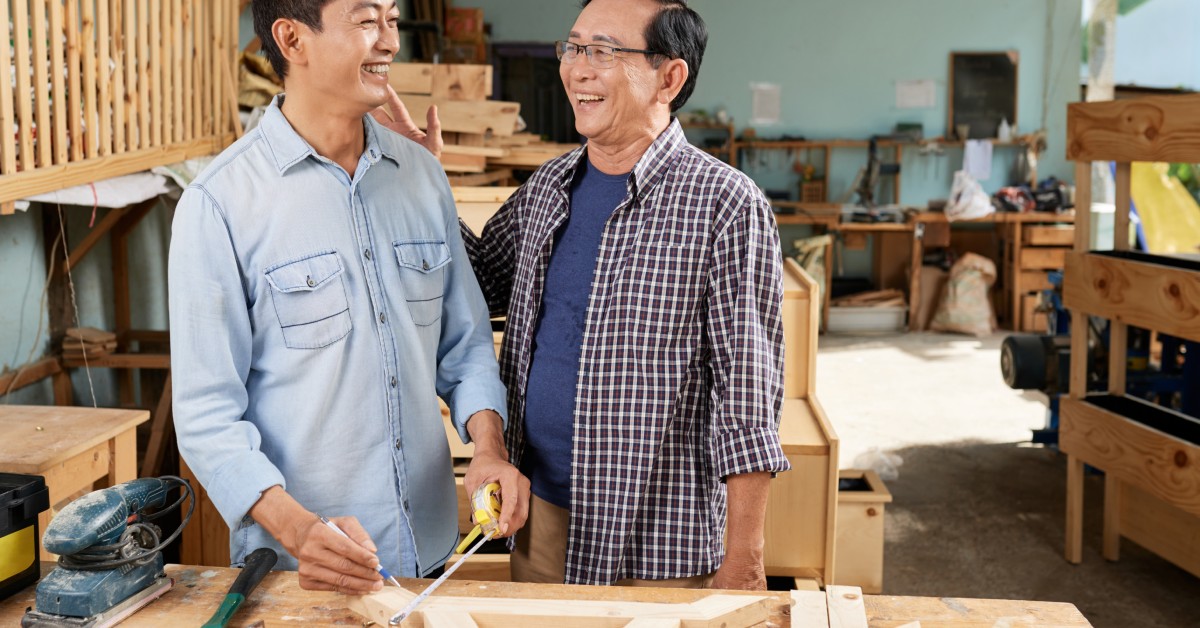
485	509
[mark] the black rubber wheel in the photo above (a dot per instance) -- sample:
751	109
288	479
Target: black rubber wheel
1023	362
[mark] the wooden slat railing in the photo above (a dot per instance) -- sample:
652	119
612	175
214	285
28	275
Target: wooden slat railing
92	89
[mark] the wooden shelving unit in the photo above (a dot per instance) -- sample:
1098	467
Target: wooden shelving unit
726	151
1150	455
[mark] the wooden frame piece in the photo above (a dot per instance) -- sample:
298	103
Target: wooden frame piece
714	611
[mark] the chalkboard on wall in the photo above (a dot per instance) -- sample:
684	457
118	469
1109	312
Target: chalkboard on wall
983	90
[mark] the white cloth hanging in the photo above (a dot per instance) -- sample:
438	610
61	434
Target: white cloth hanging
977	159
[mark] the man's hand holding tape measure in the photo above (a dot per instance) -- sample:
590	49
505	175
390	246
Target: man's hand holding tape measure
490	465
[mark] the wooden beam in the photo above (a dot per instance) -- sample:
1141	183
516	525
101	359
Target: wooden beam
464	194
1155	128
93	238
124	361
41	180
1139	293
411	78
1074	518
488	178
846	608
28	374
461	82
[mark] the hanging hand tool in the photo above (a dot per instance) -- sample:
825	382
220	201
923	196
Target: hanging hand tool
257	565
485	508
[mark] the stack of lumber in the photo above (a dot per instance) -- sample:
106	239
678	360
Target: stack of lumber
480	134
874	298
88	342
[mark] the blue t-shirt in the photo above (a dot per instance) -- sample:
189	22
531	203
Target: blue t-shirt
557	340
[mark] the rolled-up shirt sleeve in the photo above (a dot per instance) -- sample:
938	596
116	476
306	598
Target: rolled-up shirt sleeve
210	360
468	378
746	333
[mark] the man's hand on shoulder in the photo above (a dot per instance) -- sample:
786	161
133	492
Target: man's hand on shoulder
328	561
394	116
490	464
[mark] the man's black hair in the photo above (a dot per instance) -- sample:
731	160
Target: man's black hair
677	32
266	12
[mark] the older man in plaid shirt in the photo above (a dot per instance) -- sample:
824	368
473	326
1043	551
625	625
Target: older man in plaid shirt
643	351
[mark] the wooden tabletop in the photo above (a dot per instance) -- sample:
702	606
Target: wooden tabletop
38	437
279	600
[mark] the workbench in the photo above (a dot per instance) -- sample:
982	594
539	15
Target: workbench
1019	272
279	601
70	447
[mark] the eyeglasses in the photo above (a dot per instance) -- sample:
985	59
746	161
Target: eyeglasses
600	56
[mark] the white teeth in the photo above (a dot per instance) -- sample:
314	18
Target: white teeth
380	68
588	98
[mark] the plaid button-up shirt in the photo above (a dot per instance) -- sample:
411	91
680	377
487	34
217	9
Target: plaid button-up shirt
681	369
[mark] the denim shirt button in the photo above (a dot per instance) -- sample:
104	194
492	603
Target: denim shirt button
367	253
382	318
310	282
424	265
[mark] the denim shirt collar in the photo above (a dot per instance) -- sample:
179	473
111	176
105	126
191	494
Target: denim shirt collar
288	148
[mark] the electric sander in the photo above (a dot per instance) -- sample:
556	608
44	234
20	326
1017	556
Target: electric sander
110	554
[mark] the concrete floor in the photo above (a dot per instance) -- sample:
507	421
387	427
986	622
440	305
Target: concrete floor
978	511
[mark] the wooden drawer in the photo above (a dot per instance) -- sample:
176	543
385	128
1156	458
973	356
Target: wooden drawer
1049	235
1035	281
1043	259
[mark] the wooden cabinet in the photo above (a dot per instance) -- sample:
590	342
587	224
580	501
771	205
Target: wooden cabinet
1032	251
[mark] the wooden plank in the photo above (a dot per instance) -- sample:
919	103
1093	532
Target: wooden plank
191	80
1160	464
464	194
945	612
58	82
1079	319
485	151
130	54
161	429
32	373
474	180
476	215
8	148
1048	235
1043	259
20	19
1031	319
91	130
846	607
1112	518
162	72
711	611
1156	128
93	237
28	183
801	321
797	534
486	567
1146	295
461	82
1160	528
453	162
125	361
103	78
146	86
179	65
492	116
411	78
1074	520
42	96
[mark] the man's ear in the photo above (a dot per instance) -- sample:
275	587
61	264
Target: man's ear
672	75
289	38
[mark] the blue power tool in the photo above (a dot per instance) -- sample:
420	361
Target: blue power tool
110	562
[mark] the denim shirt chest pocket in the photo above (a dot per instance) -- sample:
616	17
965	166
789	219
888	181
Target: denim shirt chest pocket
422	274
310	300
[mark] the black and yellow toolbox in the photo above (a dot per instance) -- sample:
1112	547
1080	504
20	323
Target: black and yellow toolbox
22	499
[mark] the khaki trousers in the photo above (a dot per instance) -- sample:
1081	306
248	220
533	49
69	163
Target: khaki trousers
541	552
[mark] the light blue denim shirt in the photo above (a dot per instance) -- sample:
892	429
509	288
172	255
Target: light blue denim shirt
315	319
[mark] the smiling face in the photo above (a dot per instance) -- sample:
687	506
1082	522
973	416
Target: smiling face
614	105
348	61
